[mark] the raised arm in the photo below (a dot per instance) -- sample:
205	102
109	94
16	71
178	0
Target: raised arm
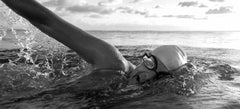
95	51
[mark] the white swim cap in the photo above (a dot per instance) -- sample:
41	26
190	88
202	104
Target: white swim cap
169	57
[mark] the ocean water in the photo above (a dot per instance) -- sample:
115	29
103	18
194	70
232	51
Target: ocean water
38	74
204	39
186	38
46	63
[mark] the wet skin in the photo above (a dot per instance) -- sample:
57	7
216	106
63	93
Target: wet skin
141	74
100	54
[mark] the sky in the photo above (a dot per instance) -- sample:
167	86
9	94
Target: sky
156	15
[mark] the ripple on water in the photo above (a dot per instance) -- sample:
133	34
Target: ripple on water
213	93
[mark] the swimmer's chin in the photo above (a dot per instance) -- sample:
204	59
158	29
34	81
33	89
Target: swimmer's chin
133	81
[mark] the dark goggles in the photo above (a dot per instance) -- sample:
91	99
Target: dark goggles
149	61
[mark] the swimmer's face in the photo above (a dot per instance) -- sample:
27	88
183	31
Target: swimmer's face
141	74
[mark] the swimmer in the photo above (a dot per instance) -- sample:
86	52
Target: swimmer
104	57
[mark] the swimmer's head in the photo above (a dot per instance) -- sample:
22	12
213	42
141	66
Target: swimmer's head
163	59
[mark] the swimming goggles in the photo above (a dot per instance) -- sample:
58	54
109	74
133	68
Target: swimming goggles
151	63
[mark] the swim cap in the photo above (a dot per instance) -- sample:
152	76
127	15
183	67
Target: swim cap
169	57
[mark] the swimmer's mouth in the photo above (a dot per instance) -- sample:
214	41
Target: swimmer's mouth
143	78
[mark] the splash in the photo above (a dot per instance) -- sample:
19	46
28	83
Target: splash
3	13
3	33
38	63
29	44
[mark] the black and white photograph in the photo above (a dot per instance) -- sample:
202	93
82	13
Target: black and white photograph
119	54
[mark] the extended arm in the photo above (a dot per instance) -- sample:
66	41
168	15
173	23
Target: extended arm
95	51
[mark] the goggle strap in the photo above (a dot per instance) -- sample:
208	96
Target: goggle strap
163	65
179	67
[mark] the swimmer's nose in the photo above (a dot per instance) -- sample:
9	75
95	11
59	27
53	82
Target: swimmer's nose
135	78
141	77
133	81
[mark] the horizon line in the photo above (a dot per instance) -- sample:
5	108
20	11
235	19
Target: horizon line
89	30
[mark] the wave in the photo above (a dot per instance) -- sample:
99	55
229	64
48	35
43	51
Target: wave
28	85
